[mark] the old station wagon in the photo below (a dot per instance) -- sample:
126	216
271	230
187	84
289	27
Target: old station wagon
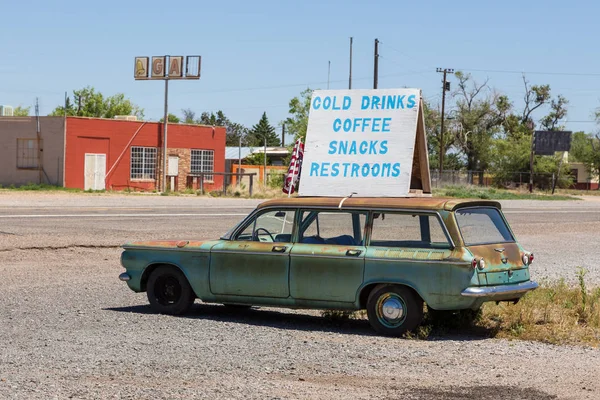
385	255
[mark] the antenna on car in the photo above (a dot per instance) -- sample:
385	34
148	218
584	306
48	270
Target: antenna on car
346	198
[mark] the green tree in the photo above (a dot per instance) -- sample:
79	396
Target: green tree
452	159
261	131
173	119
558	111
189	116
21	111
257	159
234	131
479	113
585	148
535	97
297	123
89	103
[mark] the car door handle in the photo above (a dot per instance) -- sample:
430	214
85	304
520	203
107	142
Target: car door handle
279	249
353	253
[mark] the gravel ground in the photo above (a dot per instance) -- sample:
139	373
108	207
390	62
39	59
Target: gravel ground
70	329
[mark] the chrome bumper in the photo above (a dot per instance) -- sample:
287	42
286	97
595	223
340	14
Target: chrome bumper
124	277
500	292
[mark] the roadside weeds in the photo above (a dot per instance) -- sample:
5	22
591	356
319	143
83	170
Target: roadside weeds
555	313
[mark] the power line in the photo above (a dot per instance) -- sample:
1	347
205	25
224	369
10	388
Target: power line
301	84
499	71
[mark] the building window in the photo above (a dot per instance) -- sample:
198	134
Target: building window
28	156
203	161
143	163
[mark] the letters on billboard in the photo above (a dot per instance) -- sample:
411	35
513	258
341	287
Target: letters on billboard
360	141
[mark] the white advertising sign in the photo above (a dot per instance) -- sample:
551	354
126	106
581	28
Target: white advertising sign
360	141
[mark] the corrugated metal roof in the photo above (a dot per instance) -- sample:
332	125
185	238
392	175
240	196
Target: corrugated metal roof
233	153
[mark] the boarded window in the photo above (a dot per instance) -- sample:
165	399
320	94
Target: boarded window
408	230
28	156
143	163
202	162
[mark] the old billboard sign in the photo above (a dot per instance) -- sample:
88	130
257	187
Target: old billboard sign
548	142
368	142
167	67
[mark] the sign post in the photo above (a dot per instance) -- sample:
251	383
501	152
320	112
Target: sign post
166	68
370	142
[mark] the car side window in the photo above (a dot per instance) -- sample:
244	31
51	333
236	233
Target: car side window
408	230
333	227
270	226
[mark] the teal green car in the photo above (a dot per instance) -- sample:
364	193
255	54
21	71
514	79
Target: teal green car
386	255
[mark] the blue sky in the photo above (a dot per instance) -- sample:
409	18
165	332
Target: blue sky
256	55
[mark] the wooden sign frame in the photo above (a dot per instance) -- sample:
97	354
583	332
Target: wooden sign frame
420	178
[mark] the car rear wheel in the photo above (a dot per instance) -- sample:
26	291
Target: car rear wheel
169	291
394	309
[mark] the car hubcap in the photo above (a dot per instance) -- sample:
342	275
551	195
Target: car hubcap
168	290
391	310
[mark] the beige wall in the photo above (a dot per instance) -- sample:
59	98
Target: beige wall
52	135
582	174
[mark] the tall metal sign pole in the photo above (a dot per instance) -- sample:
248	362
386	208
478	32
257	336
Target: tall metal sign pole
376	65
350	74
445	88
166	68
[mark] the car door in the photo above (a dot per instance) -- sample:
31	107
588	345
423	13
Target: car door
255	262
413	248
327	261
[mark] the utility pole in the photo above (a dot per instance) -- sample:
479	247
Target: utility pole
445	88
350	77
376	65
39	140
531	158
283	134
165	124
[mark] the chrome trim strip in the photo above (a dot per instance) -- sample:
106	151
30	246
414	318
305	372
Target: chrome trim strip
455	262
253	253
502	290
124	277
343	257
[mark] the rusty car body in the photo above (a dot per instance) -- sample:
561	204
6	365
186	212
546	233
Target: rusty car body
386	255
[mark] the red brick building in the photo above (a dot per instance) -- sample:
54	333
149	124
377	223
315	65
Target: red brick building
109	154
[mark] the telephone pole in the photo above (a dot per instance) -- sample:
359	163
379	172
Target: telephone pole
350	77
376	65
445	88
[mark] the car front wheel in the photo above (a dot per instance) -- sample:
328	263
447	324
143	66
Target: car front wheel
169	291
394	310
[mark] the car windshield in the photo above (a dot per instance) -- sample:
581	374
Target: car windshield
482	226
227	236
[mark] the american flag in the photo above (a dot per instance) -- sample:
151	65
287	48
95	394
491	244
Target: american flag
293	175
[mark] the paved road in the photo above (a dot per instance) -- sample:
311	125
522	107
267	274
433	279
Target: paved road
70	329
563	235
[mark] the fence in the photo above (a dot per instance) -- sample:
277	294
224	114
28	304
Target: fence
512	180
196	181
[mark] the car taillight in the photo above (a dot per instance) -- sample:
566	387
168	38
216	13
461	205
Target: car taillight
478	263
527	259
531	258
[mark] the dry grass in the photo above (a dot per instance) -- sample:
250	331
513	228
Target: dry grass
554	313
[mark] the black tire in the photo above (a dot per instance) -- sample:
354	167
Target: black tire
394	309
169	291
